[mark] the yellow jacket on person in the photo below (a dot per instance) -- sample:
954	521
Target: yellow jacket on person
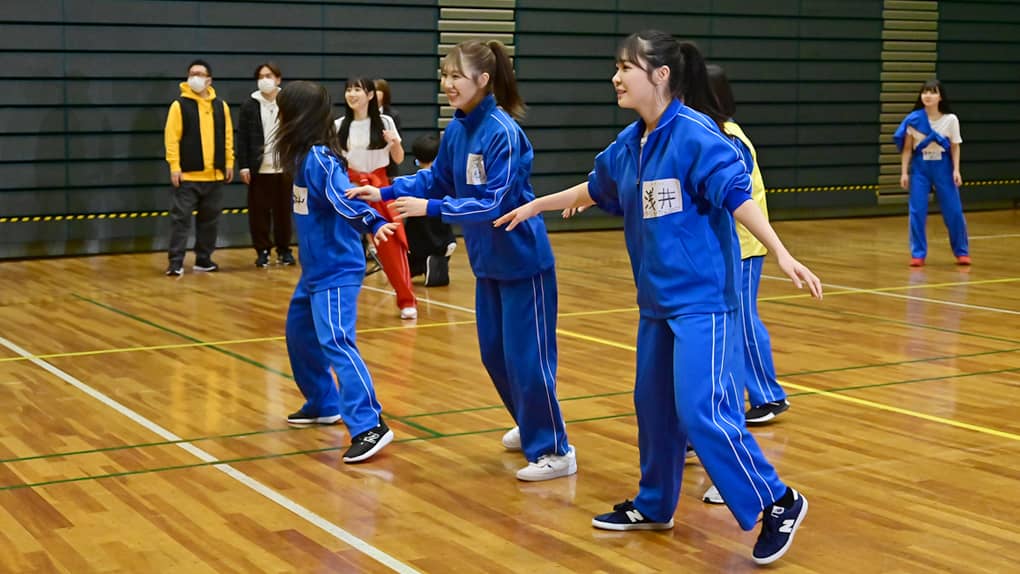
749	245
174	129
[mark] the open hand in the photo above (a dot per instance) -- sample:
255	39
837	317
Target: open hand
410	206
514	218
800	275
384	233
364	192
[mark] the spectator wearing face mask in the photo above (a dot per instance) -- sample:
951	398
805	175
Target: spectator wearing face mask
269	188
199	139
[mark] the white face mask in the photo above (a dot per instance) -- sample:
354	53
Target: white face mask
197	83
267	85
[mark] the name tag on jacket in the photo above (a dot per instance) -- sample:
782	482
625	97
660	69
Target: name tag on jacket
475	169
300	200
661	197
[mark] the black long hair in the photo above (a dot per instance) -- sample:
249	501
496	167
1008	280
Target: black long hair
376	127
305	113
722	90
934	85
688	78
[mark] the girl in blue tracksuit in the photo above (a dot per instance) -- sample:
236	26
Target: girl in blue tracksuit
481	173
766	396
679	183
323	311
929	139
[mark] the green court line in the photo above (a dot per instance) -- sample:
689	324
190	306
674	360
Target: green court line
183	336
405	418
148	444
895	321
897	363
441	436
224	461
435	434
231	354
907	382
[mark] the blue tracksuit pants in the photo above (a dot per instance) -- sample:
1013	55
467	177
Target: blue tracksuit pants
320	335
688	389
760	373
517	339
925	174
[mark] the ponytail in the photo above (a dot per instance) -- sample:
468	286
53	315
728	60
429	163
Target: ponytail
697	92
503	81
473	58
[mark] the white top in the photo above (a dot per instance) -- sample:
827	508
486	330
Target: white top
270	121
948	125
359	157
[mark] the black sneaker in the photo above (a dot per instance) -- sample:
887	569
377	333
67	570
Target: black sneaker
625	517
207	265
175	270
263	259
285	258
778	525
366	444
301	418
437	271
764	413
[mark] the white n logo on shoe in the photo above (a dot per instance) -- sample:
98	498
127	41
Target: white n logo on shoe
787	526
634	515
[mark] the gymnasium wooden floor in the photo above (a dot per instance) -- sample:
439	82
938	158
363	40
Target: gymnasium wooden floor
143	420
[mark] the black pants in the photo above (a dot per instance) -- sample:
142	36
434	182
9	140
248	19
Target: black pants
206	197
426	236
270	205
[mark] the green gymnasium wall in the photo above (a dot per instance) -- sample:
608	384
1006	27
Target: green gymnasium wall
87	84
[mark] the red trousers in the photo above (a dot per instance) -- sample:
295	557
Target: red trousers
393	253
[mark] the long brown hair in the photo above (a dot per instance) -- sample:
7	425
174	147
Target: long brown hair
305	121
488	57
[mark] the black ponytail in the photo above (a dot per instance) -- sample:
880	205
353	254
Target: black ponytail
697	92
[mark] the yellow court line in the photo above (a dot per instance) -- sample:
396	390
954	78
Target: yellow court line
902	411
602	312
135	349
839	396
591	339
209	343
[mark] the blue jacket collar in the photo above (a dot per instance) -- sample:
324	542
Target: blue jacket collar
481	111
631	135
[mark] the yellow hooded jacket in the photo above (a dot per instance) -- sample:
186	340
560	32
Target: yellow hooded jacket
172	136
749	245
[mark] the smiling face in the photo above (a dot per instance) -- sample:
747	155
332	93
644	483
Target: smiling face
464	87
357	98
633	87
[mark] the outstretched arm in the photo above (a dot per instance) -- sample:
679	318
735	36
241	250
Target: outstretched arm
573	197
752	218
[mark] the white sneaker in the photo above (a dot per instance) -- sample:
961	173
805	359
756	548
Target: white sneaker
512	439
450	248
409	313
712	496
550	466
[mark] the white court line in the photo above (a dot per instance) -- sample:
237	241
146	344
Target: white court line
910	297
429	301
1001	236
302	512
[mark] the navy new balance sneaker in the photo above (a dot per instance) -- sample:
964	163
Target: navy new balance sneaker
625	517
778	525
